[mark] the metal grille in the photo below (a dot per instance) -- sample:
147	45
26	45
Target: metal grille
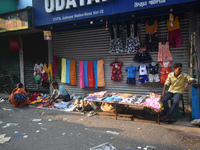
93	44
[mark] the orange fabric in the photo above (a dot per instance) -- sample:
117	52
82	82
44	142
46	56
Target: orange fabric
13	101
165	70
73	79
152	28
100	73
176	25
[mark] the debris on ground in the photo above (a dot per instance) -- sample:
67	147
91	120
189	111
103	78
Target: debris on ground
10	124
4	139
43	128
16	135
36	120
25	136
104	146
112	132
49	119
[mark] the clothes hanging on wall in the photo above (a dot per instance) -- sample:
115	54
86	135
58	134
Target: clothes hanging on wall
143	74
174	34
164	53
132	41
85	71
63	70
116	71
81	74
73	78
115	40
91	80
165	70
151	37
142	56
49	72
38	73
58	69
95	73
153	73
131	74
54	65
68	70
100	73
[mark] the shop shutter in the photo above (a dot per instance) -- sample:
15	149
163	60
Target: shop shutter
93	44
35	51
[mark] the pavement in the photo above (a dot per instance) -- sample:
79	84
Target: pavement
58	130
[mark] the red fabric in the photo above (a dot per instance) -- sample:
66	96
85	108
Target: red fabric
14	45
91	80
175	39
54	65
116	71
33	97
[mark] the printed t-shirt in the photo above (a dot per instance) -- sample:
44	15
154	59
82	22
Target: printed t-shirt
131	71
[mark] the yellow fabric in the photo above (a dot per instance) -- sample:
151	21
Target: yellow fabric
49	71
100	73
177	83
176	25
36	101
63	70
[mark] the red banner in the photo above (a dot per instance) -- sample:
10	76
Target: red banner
14	45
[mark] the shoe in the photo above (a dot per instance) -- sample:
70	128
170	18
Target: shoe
172	120
164	119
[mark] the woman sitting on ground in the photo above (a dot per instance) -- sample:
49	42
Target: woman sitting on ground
19	96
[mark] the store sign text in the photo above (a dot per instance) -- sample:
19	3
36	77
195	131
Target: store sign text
59	5
150	2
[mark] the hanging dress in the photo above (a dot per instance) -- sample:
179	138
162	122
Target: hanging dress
116	71
165	70
164	53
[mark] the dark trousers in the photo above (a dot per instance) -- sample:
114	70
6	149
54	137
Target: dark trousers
177	97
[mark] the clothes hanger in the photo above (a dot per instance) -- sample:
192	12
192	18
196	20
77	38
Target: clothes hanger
116	60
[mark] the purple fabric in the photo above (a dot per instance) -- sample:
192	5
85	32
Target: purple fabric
54	65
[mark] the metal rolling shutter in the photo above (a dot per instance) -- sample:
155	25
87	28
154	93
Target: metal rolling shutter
35	51
93	44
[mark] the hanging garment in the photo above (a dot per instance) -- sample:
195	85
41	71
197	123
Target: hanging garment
142	56
68	71
143	74
81	74
58	70
132	41
91	80
54	65
153	72
73	79
95	73
49	72
115	40
165	70
85	71
151	37
131	74
63	70
164	53
100	73
174	35
116	71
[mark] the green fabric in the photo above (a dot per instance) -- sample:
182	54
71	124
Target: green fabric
58	70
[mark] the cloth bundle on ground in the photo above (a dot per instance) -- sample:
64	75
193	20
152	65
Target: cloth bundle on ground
110	107
18	97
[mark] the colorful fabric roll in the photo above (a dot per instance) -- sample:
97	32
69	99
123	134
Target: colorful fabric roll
68	71
63	70
73	79
95	73
100	73
91	80
81	74
54	65
58	69
85	71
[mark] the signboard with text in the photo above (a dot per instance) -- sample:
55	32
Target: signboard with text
57	11
14	21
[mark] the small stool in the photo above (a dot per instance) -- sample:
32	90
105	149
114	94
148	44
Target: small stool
177	112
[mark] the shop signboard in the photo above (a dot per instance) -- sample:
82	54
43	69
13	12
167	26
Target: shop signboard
15	21
57	11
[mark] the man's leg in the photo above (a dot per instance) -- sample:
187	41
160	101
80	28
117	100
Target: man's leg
177	98
167	97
